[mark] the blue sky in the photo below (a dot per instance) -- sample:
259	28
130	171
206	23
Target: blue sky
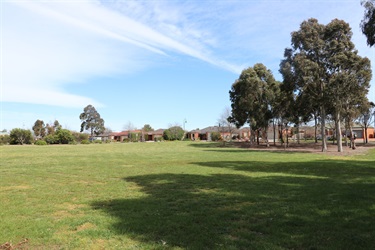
145	62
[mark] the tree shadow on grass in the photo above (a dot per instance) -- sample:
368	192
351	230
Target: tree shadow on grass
288	208
241	147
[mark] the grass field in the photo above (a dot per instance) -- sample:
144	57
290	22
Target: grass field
184	195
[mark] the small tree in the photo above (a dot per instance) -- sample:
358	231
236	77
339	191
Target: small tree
52	128
4	139
64	136
20	136
147	128
91	121
215	136
173	133
39	129
225	123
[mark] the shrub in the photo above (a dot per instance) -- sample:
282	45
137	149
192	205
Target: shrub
41	142
50	139
80	136
64	136
215	136
85	142
173	133
4	139
20	136
98	141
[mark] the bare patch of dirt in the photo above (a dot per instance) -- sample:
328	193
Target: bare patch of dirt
20	245
20	187
85	226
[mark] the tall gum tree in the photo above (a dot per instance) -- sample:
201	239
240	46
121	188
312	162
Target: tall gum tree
91	121
329	67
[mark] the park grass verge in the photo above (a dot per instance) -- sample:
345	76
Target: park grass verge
184	195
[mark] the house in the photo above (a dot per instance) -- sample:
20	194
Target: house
154	135
358	131
140	135
225	132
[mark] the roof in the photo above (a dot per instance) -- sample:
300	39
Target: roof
212	129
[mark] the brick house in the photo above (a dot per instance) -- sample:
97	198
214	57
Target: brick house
226	133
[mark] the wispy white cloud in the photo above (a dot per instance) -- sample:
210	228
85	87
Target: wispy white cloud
47	45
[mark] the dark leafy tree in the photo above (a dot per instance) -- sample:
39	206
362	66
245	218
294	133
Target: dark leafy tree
253	97
63	136
147	128
39	129
91	121
52	128
368	22
20	136
329	70
173	133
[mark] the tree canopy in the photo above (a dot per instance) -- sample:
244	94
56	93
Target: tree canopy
91	121
39	129
325	67
253	97
368	22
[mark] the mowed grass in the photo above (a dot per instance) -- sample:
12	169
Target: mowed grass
184	195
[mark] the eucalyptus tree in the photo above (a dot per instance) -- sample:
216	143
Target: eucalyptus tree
91	121
292	106
253	97
368	22
328	67
39	129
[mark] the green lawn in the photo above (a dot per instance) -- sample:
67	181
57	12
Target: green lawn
184	195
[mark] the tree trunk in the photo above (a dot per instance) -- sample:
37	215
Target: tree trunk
323	129
274	133
298	139
316	128
338	133
352	138
265	134
258	137
366	140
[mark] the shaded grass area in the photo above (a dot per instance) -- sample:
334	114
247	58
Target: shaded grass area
185	196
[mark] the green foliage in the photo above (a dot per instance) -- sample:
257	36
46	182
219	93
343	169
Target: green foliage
98	141
52	128
134	137
64	136
80	136
20	136
253	97
215	136
4	139
40	142
324	68
368	22
51	139
91	121
147	128
86	141
173	133
39	129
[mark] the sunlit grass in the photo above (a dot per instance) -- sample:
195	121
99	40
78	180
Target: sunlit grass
184	195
